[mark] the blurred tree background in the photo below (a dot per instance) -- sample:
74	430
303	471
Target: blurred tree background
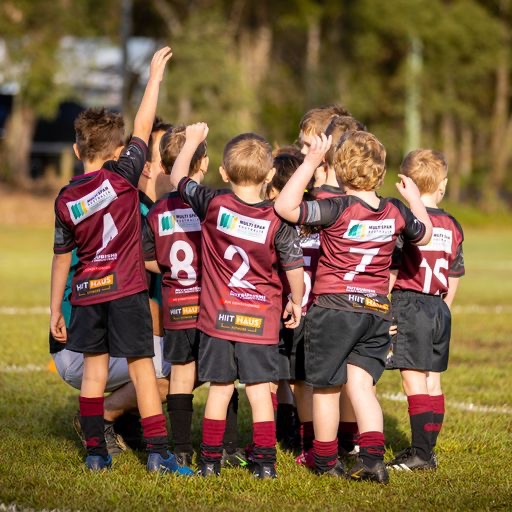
418	73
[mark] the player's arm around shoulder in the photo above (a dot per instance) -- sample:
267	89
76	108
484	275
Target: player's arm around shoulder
411	194
288	202
457	269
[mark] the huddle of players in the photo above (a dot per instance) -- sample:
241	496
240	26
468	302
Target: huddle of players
223	255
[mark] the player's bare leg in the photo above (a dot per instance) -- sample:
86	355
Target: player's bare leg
370	421
347	430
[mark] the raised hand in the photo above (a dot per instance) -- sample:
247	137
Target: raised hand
158	62
196	133
316	151
408	188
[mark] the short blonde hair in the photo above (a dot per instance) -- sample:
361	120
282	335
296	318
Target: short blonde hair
426	167
316	120
171	144
247	159
360	161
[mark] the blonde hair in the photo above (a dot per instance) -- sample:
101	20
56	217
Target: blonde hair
316	120
426	167
247	159
172	142
360	161
338	126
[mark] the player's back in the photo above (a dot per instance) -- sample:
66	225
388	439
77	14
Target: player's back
98	213
426	269
241	287
176	237
356	247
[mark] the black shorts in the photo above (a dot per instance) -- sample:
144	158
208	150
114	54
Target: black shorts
291	353
181	346
226	361
335	338
422	341
120	327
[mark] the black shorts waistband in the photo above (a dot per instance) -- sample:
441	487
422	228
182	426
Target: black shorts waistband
416	295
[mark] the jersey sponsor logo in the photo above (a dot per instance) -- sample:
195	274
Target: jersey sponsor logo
240	226
236	322
181	313
369	230
96	286
441	241
93	202
311	241
181	220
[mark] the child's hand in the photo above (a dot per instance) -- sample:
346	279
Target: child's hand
196	133
393	329
407	188
316	151
58	327
158	62
292	312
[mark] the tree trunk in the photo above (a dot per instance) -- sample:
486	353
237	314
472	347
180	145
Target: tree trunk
19	130
448	133
312	60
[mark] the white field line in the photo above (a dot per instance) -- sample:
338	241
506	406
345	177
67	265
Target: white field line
467	308
462	406
19	508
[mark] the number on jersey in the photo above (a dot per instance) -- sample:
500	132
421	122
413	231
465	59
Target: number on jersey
237	279
440	264
181	257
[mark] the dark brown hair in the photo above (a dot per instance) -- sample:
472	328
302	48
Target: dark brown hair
99	132
171	144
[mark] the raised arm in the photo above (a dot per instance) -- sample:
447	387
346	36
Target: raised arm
287	204
195	134
146	114
411	194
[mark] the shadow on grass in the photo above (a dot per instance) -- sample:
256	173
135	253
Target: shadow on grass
396	438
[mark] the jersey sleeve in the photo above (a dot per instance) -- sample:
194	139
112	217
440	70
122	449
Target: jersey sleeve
396	257
63	238
457	266
414	230
197	196
148	241
131	161
287	244
322	212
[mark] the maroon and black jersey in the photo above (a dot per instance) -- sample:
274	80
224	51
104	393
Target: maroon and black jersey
98	213
172	237
426	269
243	246
356	246
310	245
326	192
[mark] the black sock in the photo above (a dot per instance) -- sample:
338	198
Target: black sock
438	423
180	410
231	433
92	424
284	421
421	433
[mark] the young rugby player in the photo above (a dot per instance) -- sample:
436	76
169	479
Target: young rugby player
243	244
98	213
172	245
347	331
423	293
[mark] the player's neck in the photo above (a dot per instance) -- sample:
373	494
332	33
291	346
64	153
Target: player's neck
331	180
370	197
430	200
148	187
93	165
250	194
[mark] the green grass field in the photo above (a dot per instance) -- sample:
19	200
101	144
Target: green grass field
41	458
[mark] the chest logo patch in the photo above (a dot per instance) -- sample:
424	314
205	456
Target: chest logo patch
93	202
181	220
369	230
240	226
441	241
